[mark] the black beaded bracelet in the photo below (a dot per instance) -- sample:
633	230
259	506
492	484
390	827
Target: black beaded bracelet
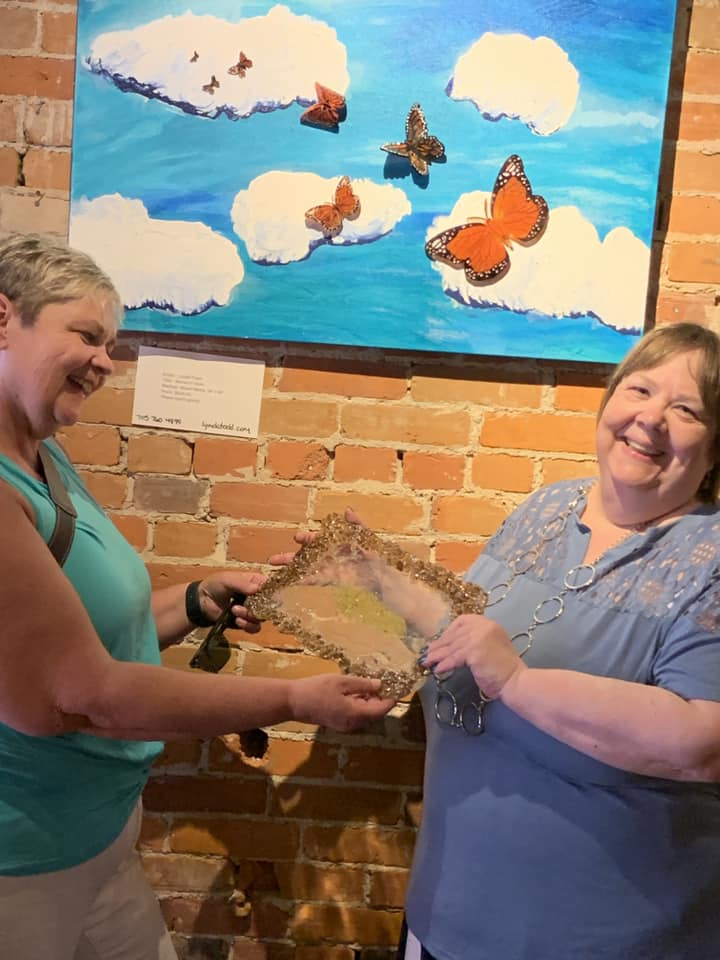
193	609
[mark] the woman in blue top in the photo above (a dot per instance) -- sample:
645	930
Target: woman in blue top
83	697
572	806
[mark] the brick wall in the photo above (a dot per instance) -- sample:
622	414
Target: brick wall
294	844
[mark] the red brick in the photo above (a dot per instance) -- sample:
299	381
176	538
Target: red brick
696	172
388	888
47	169
702	72
345	378
395	514
328	802
168	494
109	489
188	873
367	844
295	460
205	794
252	544
184	538
9	167
284	758
502	471
391	767
579	398
299	418
37	77
345	924
18	28
705	27
365	463
94	445
559	469
468	515
439	471
10	115
58	32
518	386
48	123
259	501
238	838
152	453
456	555
414	424
539	431
305	881
689	307
221	457
109	405
694	262
698	120
218	917
28	212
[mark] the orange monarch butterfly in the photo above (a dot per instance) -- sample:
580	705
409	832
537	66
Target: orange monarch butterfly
328	112
212	86
481	246
329	217
418	146
241	67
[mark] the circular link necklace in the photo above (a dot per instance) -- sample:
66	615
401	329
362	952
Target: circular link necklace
469	716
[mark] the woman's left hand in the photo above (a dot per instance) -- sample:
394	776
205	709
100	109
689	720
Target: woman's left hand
480	644
216	591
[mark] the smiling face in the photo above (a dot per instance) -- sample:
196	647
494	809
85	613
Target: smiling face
654	436
48	368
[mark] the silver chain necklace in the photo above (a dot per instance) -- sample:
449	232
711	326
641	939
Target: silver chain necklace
469	716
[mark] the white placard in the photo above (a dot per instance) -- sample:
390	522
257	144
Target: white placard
198	392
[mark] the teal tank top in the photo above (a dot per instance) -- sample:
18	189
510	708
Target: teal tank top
64	799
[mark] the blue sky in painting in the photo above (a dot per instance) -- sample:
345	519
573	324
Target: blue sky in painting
182	167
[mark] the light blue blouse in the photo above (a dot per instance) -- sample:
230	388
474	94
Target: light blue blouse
531	850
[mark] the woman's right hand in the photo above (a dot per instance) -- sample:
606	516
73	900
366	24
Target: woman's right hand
303	537
338	701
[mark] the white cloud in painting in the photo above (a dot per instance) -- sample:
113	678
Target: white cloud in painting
169	264
569	271
516	76
173	58
270	214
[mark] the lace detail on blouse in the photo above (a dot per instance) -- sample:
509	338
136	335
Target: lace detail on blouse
668	571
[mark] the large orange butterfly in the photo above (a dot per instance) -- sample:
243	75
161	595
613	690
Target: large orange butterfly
418	146
328	112
329	217
241	67
481	246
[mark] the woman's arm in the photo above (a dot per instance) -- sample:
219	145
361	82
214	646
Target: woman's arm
168	604
57	675
633	726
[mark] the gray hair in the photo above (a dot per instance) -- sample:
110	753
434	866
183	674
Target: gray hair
664	343
36	270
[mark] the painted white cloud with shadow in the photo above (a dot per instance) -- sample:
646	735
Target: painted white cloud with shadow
518	77
569	271
269	216
173	265
157	60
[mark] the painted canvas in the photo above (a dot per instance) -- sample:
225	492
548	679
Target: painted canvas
469	177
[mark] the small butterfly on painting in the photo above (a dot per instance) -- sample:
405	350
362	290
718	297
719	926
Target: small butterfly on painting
329	217
194	57
420	147
481	246
212	86
329	112
241	67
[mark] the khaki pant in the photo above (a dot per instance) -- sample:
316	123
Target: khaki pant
103	909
